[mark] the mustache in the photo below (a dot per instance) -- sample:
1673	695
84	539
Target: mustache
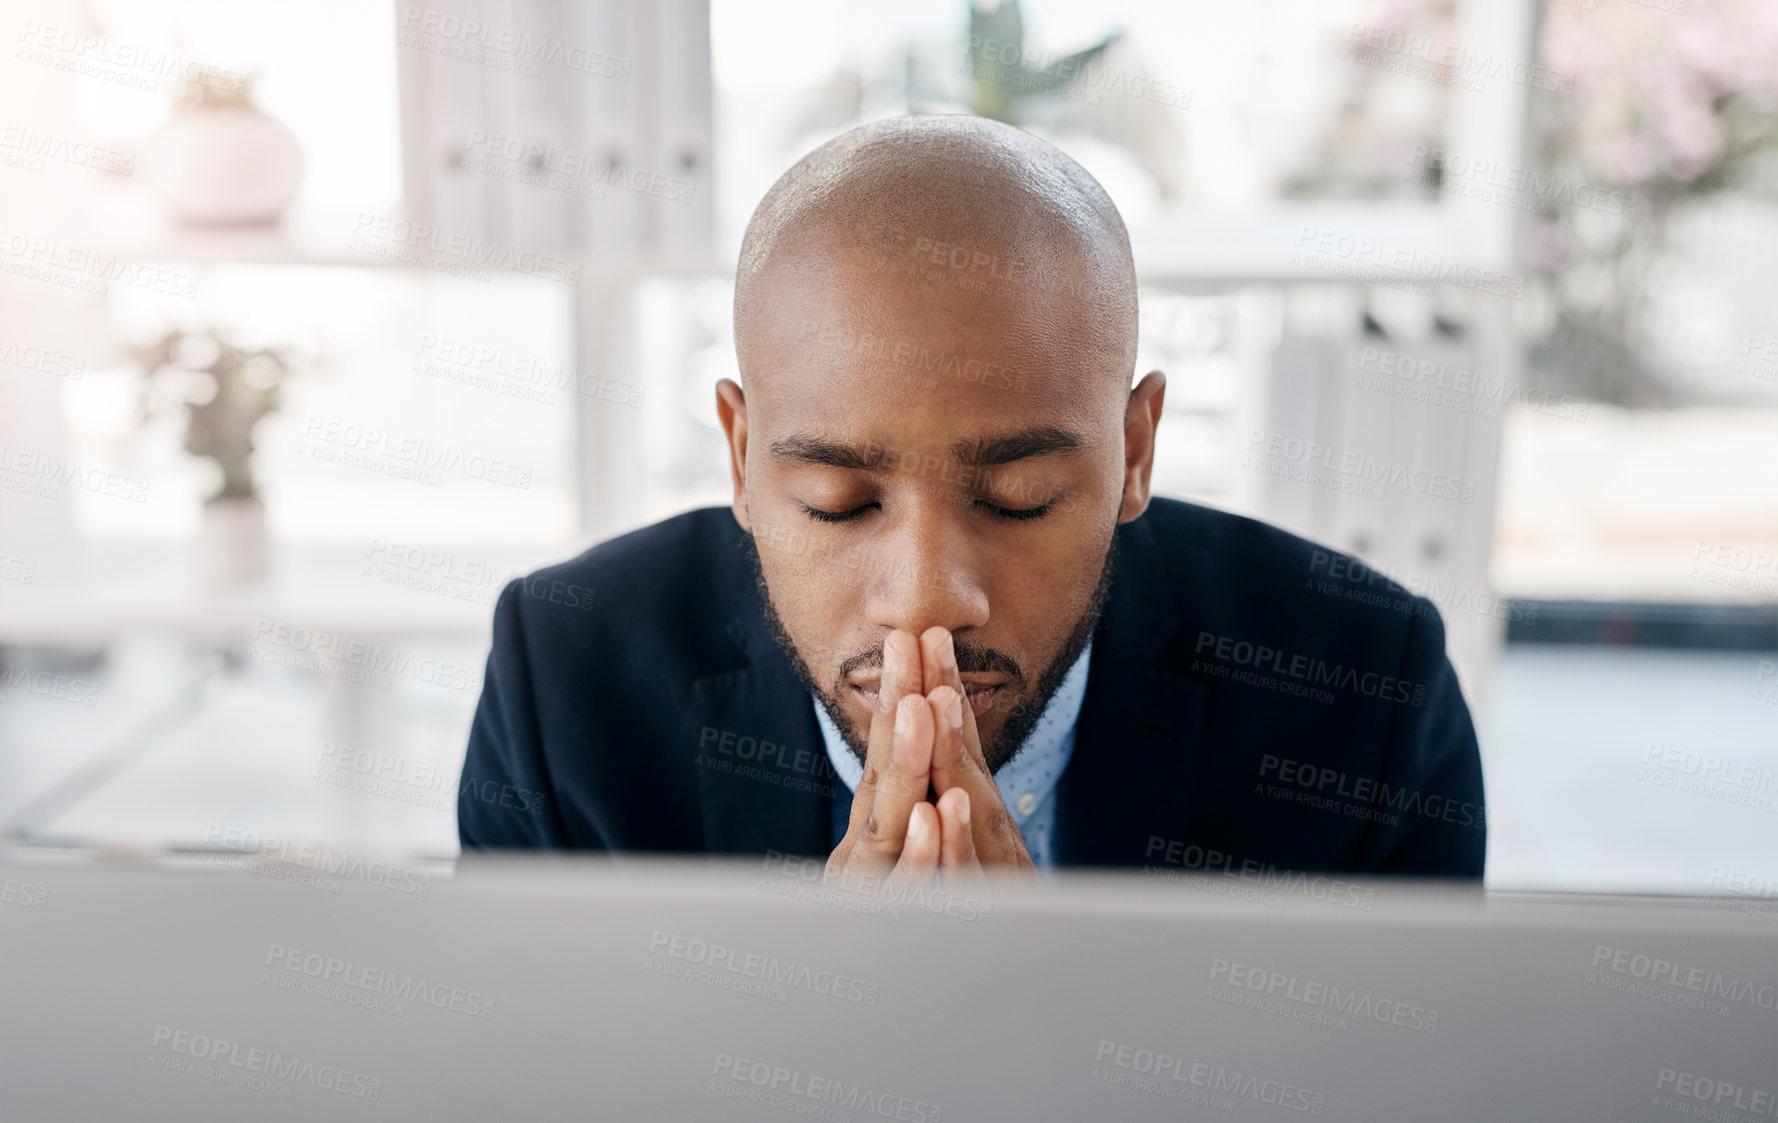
971	658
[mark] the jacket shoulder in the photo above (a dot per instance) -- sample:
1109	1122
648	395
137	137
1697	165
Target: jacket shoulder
665	587
1237	574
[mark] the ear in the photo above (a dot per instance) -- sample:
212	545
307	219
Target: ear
1141	419
731	409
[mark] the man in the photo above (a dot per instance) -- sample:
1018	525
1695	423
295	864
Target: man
944	583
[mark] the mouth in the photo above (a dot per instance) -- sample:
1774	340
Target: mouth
983	695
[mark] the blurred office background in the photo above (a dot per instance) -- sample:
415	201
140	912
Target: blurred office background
318	321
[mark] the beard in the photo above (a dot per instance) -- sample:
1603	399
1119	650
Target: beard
1021	717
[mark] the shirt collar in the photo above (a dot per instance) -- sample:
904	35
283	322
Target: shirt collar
1036	769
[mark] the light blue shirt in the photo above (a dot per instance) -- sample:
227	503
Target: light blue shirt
1027	783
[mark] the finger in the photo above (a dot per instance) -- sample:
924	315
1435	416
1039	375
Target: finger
950	763
919	857
956	856
955	767
900	676
938	656
960	763
902	786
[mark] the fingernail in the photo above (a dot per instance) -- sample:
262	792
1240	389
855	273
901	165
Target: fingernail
947	655
891	664
963	814
956	711
903	720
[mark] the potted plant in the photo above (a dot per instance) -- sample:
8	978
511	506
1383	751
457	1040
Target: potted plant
224	389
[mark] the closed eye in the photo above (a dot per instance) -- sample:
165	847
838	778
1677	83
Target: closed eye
1013	512
999	512
835	516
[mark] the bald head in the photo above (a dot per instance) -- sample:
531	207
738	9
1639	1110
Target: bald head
936	321
964	201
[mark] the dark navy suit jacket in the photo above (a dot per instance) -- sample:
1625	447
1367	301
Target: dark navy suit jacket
1249	707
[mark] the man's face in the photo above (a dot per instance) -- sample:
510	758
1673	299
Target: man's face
919	453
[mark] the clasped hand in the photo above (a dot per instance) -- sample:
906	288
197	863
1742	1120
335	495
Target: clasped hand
926	803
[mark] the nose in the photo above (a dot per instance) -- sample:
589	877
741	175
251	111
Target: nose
925	571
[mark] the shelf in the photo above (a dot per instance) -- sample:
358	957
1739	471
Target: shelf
1298	242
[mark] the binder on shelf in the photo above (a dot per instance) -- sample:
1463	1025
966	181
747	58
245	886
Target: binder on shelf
581	129
538	154
611	108
443	106
681	147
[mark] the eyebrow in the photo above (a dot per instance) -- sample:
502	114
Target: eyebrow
973	452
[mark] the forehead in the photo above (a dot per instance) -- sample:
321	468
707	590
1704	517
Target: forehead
855	343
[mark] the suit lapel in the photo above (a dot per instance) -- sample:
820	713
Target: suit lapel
754	805
753	802
1135	754
1136	746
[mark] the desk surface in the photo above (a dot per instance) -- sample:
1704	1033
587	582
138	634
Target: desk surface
101	591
